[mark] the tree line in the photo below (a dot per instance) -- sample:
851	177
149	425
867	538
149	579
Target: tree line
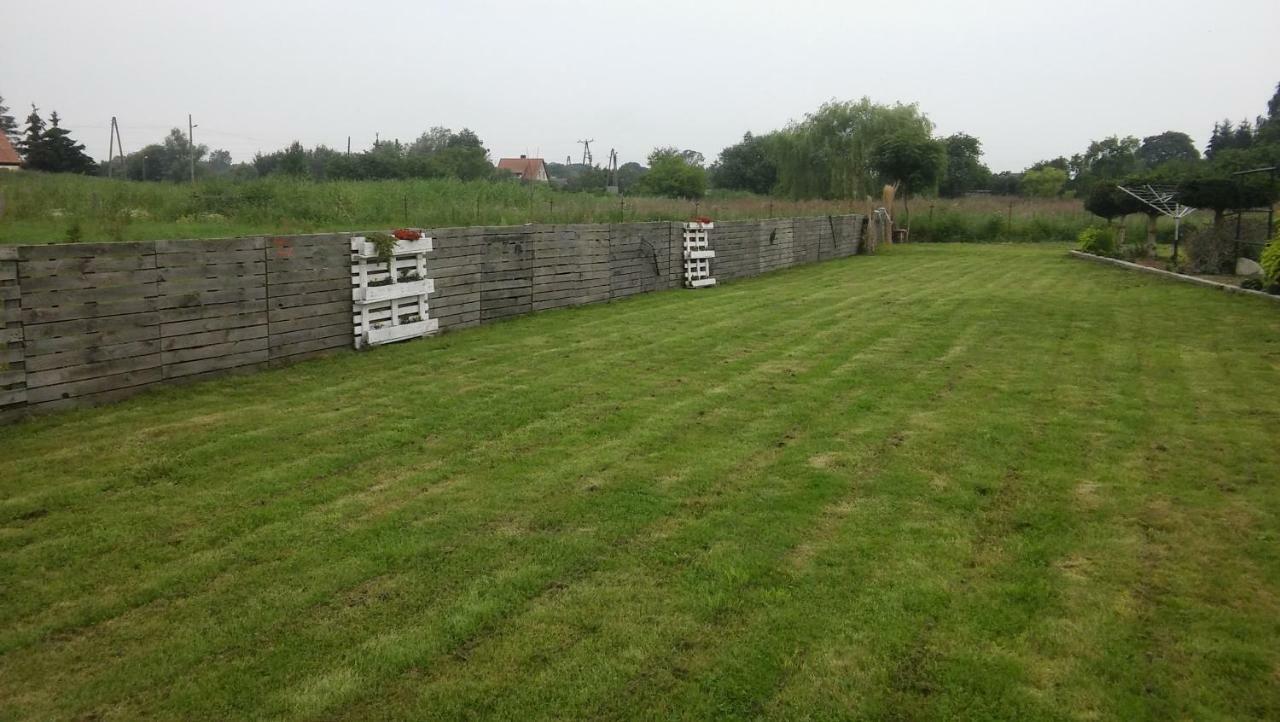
844	149
847	149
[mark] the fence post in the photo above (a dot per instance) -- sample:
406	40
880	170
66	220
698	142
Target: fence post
13	369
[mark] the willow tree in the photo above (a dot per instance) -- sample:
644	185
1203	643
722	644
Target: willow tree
831	153
913	160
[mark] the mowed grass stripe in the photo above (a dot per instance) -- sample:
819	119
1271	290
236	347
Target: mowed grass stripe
766	351
220	486
733	521
920	484
741	498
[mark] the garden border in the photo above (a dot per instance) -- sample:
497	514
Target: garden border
1175	276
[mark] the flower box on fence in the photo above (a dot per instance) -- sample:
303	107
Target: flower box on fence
368	250
389	293
395	289
400	332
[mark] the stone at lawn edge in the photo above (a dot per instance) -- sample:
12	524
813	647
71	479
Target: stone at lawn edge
1247	267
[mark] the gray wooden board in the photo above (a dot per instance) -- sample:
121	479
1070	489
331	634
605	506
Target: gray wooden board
90	351
61	251
79	281
214	350
276	315
176	369
210	338
213	245
71	389
308	322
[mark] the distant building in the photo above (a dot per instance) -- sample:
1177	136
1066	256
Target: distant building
526	168
9	158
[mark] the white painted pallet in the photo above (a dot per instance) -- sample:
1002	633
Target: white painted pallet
697	255
398	289
389	299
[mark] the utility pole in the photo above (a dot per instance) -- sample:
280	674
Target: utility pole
191	149
348	145
611	180
114	144
586	151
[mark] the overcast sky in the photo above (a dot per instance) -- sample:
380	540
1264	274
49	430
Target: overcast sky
1032	80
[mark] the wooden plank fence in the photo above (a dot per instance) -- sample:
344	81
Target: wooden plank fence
87	323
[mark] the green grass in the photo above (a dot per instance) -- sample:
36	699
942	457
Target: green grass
945	481
45	208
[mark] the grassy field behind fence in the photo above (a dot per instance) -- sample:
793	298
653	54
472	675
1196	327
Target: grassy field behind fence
945	481
42	208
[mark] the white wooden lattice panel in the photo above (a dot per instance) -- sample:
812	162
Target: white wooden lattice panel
697	255
389	300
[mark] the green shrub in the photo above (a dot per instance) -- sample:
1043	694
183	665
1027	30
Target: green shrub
1098	241
993	226
1211	249
1271	261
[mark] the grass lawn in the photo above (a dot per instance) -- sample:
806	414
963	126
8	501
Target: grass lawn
944	481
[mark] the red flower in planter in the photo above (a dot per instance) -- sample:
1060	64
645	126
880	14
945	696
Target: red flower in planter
702	219
406	234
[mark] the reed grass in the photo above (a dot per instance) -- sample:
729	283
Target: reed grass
46	208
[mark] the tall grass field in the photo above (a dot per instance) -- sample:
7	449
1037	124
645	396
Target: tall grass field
47	208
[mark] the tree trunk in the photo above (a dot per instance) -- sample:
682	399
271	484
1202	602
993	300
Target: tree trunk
1122	232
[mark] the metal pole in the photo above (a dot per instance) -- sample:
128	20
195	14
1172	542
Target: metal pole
1177	231
191	149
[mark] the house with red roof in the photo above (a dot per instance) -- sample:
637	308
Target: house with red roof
526	168
9	158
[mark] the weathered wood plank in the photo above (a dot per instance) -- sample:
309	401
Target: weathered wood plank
80	311
216	245
341	333
88	371
78	281
213	338
90	351
45	299
277	315
214	310
213	323
314	298
55	252
12	397
216	363
308	322
36	345
214	350
256	270
311	347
